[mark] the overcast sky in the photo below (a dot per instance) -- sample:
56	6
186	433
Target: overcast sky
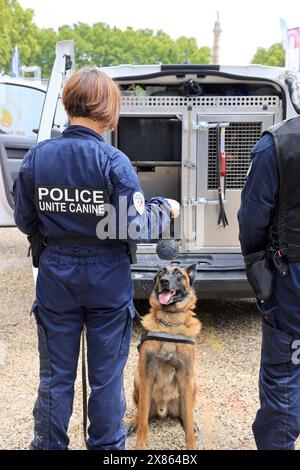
246	25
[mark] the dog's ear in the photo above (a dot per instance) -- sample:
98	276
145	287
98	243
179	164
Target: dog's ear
191	272
159	272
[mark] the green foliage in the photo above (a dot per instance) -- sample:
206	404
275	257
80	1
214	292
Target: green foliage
102	46
16	27
275	56
45	52
98	45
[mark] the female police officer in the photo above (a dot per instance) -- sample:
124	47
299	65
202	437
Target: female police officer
65	189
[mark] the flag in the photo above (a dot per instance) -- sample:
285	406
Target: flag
284	34
15	63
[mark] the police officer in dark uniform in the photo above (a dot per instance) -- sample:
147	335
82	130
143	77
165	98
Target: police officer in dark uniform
269	219
69	190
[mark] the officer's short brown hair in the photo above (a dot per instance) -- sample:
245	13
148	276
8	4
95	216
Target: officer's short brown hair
91	93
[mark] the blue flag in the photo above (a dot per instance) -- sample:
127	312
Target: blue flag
15	63
284	34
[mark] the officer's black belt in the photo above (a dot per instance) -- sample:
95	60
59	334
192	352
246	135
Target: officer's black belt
292	257
167	337
289	255
79	241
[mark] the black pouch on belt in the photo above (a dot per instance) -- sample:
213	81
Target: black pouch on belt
36	246
259	274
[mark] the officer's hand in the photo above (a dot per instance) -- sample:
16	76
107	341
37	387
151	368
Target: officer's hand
175	206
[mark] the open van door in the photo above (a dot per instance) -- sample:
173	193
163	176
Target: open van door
21	105
26	109
53	116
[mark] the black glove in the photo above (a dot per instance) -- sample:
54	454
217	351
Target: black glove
260	274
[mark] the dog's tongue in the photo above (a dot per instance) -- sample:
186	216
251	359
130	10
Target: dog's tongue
165	296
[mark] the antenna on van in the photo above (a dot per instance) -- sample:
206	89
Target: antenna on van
187	53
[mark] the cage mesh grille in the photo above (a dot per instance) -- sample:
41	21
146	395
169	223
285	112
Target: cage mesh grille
206	101
240	138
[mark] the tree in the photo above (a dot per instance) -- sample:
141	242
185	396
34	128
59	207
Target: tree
275	56
45	52
98	44
16	27
102	45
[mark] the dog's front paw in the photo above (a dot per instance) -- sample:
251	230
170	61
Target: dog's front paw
141	446
141	443
132	426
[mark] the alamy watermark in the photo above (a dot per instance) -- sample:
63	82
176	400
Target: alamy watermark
123	222
296	354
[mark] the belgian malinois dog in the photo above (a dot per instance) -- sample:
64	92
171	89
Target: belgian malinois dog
164	384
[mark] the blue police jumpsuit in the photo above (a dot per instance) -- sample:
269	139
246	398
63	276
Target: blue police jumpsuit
277	423
79	285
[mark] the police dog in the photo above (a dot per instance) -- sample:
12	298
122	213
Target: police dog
164	384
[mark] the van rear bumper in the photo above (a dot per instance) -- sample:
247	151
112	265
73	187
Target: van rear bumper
218	275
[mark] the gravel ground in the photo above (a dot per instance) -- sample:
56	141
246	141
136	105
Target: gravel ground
227	366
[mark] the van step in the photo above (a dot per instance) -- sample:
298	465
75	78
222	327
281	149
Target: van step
205	262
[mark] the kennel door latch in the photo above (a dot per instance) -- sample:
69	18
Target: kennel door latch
189	164
204	125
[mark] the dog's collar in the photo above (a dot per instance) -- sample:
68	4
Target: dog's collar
169	324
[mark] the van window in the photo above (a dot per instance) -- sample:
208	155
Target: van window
20	109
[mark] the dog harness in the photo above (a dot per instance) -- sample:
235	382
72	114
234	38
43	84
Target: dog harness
151	335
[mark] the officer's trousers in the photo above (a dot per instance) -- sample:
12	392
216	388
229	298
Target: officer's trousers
277	423
80	286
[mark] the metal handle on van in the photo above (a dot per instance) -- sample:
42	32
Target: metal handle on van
204	125
204	201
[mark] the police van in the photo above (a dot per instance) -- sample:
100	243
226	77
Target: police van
188	130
